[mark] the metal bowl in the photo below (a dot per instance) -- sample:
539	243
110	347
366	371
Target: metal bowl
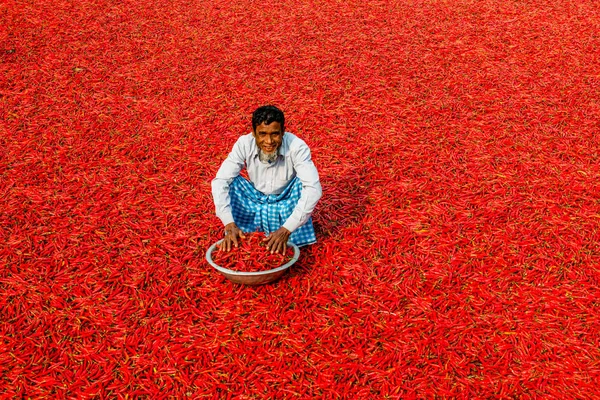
253	278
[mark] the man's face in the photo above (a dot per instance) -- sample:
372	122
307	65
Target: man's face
268	137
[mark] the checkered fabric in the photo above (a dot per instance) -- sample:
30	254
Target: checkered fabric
254	210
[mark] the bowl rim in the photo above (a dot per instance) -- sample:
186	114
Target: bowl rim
251	273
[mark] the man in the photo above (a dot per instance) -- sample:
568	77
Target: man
283	191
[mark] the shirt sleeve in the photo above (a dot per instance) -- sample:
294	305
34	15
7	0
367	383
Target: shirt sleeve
228	171
311	187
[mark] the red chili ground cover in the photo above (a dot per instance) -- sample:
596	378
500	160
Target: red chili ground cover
458	147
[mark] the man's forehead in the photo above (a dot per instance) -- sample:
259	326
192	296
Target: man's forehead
272	127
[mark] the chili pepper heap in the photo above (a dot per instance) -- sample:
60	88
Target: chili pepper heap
251	255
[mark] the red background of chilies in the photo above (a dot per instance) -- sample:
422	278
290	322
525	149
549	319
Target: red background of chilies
457	144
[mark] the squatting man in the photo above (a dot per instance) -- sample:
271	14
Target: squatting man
283	190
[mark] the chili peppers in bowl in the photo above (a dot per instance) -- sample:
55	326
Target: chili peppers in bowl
251	263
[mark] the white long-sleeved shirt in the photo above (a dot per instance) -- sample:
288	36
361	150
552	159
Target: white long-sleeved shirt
294	160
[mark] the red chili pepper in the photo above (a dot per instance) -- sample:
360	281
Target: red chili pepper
251	255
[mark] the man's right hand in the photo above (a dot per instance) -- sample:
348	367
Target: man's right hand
232	232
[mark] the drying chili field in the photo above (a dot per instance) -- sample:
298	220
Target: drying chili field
458	246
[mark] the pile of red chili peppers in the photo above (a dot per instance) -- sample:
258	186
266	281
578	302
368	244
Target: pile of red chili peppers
251	255
458	148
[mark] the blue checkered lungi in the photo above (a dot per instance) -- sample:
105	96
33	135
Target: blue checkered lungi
253	210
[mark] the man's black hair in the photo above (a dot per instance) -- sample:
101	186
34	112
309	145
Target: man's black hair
267	114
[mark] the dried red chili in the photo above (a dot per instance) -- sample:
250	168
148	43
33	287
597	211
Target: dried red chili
458	148
251	255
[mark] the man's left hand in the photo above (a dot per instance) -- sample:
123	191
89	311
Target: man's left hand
277	241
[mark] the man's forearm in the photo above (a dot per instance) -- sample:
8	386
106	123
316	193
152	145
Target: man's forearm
228	171
220	192
308	200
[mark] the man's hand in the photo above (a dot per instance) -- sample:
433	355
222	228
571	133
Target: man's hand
231	237
277	241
